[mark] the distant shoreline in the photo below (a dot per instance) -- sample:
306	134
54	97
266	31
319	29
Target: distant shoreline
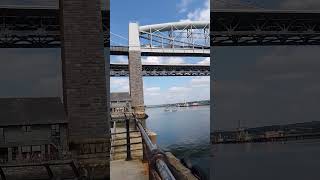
199	103
178	107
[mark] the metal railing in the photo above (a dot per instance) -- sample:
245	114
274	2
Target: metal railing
156	158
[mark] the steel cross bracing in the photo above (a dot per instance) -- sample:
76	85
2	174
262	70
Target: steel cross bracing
119	70
264	27
35	28
40	28
176	37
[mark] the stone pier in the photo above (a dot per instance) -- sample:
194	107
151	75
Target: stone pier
135	70
84	85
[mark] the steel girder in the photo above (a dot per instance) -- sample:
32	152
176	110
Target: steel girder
176	35
264	27
35	28
121	70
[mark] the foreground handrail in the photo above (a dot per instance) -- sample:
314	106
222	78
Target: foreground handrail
156	158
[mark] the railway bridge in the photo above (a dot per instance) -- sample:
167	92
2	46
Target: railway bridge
77	23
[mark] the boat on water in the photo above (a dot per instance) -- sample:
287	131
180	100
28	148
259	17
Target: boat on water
170	109
195	104
185	104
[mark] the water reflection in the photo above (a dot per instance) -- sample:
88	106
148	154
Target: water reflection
185	133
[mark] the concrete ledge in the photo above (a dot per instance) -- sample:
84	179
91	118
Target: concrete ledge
180	171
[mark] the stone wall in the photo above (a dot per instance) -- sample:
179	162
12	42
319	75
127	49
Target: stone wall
136	82
84	77
84	84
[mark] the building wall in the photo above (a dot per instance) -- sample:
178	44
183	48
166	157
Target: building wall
38	135
125	104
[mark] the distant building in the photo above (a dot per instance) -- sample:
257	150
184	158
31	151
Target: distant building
120	103
32	129
274	134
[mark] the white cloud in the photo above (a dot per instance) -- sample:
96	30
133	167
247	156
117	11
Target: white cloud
177	89
119	59
152	91
205	61
183	5
203	81
199	14
198	88
119	84
162	60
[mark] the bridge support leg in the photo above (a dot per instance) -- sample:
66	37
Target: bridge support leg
84	82
135	71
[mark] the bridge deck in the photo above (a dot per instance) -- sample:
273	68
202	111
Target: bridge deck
118	70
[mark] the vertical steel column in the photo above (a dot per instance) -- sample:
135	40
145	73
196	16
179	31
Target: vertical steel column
128	140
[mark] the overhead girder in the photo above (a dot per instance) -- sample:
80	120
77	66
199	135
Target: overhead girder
39	28
121	70
179	35
264	27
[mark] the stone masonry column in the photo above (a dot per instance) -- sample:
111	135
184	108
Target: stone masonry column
135	71
84	84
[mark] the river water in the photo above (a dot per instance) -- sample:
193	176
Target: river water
185	133
294	160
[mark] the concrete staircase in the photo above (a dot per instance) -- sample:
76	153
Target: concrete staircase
119	151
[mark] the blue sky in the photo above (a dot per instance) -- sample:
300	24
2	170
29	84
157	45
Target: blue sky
158	90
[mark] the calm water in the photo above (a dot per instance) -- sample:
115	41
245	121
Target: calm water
295	160
185	133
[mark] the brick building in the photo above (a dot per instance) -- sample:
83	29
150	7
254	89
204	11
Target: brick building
120	103
32	129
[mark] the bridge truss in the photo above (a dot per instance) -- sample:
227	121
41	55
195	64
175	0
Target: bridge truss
177	37
35	28
122	70
264	27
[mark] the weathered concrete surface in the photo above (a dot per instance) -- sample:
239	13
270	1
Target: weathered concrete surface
35	173
179	169
129	170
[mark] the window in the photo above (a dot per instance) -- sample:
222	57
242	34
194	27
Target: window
26	128
55	130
